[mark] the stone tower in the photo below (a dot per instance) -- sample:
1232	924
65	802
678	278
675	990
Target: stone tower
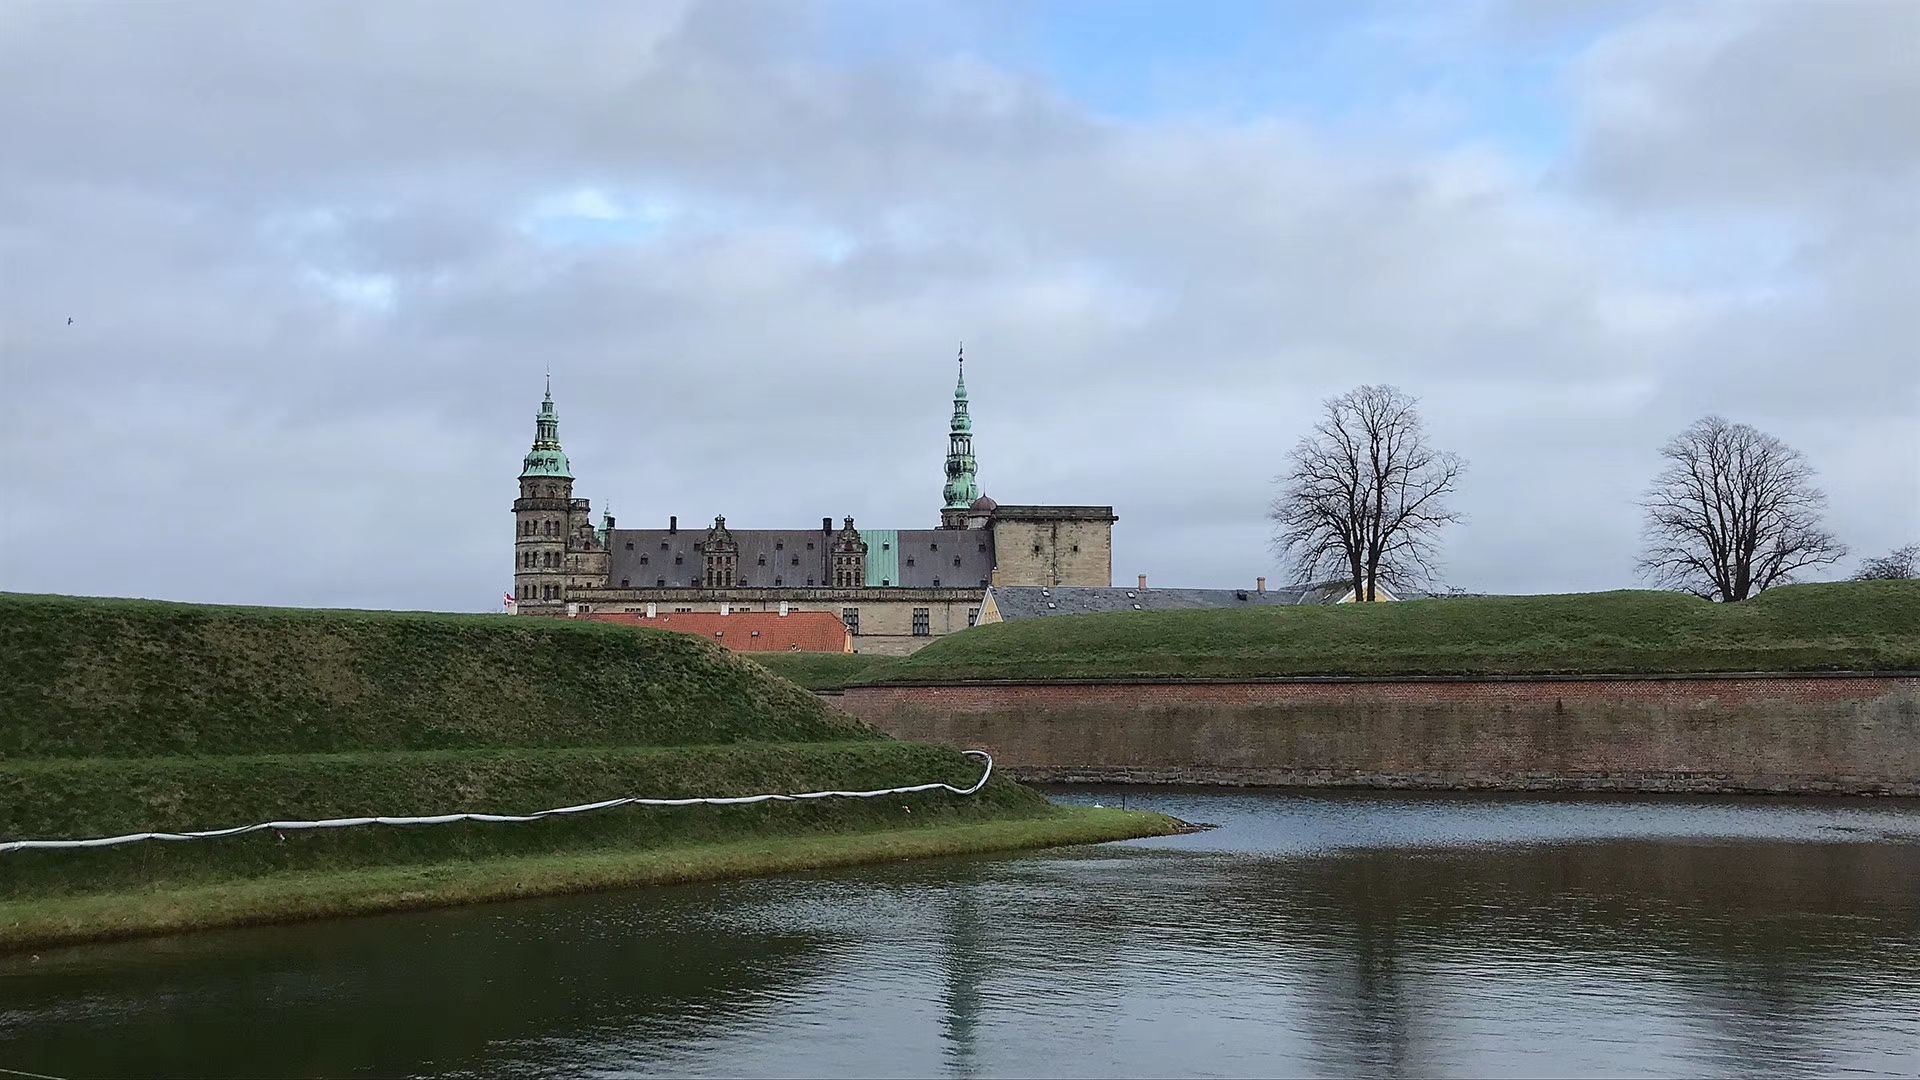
962	485
543	517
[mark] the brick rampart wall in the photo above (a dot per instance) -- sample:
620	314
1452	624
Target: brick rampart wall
1856	734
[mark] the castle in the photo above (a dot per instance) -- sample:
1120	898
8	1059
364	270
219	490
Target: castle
896	589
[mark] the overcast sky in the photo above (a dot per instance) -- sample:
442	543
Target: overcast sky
317	257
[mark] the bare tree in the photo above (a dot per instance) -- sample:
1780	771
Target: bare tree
1365	496
1734	513
1900	564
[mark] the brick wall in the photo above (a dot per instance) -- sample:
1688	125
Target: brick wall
1786	733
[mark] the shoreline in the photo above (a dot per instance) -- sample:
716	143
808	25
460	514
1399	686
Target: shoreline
53	921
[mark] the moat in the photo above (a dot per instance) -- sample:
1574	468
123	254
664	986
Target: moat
1309	934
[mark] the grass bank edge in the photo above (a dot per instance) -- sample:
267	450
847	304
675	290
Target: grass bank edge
1838	626
39	923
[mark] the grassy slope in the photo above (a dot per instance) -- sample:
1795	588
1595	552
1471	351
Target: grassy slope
1844	626
130	678
820	671
127	716
320	894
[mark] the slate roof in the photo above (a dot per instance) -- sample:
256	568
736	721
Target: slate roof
748	631
781	558
1029	602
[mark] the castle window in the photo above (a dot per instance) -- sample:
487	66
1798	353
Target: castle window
851	616
763	560
936	583
935	547
677	560
884	583
683	611
922	622
664	545
779	545
886	547
699	546
973	616
909	560
809	545
956	560
1076	547
809	583
777	583
630	548
624	583
660	583
796	560
643	560
1036	549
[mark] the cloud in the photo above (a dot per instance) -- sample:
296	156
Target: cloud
319	257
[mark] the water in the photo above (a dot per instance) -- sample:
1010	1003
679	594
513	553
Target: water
1310	934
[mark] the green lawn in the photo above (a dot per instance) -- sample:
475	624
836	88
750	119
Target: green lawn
1861	626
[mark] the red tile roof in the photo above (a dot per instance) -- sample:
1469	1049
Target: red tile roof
747	631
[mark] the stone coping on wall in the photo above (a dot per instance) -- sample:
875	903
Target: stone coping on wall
1243	680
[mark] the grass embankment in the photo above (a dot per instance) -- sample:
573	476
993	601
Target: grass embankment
1850	626
170	908
129	716
821	671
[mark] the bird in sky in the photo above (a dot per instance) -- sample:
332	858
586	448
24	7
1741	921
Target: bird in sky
69	320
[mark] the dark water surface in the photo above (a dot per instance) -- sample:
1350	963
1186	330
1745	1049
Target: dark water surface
1311	934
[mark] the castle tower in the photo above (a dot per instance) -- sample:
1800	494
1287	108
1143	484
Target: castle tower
962	486
543	517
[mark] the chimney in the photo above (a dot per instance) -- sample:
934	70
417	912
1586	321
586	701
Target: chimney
826	524
673	523
1259	584
1143	583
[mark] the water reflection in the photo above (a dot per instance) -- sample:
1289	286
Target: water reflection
1321	935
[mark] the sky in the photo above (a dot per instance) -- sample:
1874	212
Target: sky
280	282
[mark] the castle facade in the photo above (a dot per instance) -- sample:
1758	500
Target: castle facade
895	589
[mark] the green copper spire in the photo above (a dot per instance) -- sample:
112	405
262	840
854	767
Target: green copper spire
962	488
546	458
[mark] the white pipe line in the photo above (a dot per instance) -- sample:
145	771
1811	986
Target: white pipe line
442	819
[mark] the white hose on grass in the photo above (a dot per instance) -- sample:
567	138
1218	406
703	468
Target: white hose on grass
444	819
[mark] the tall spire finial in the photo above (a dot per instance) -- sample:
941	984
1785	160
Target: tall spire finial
962	487
547	459
549	380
